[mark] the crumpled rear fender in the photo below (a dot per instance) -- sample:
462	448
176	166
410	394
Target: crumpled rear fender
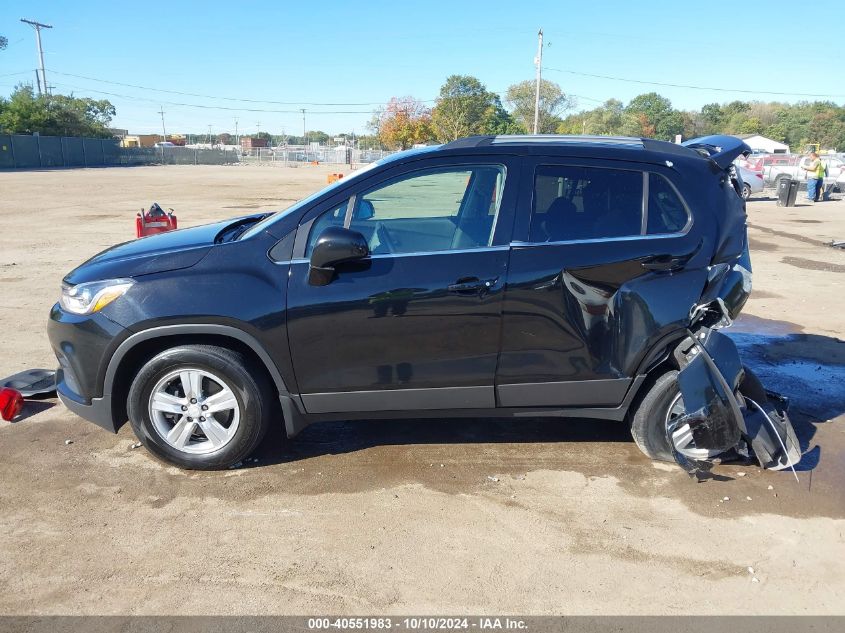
724	408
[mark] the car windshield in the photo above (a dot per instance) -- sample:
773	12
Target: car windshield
263	224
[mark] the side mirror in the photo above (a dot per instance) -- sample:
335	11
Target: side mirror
336	245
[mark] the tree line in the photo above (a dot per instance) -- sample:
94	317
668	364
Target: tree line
465	107
54	115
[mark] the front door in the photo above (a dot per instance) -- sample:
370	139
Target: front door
417	324
606	260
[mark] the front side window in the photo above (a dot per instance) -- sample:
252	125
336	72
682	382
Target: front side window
332	217
585	203
431	210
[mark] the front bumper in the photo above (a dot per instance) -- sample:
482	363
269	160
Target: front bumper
98	411
83	346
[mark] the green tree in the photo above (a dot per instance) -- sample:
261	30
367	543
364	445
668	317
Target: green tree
317	136
553	103
496	120
606	119
4	42
654	116
460	108
55	115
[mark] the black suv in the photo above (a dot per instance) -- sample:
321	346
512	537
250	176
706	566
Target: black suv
491	276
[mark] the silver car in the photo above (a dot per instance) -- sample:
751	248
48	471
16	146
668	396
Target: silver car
752	181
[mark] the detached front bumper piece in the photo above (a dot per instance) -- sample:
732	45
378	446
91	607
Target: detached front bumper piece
727	410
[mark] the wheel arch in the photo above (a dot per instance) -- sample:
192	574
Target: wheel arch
655	362
137	349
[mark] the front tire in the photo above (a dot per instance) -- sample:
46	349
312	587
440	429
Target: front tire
746	191
199	407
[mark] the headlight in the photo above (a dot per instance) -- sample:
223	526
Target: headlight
93	296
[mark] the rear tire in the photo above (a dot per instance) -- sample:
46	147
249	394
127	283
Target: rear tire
746	191
200	407
648	423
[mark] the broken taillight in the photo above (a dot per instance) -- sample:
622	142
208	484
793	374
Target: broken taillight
11	403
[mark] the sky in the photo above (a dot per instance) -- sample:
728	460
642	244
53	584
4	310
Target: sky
261	62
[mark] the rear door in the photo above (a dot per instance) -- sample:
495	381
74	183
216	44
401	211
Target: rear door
605	260
417	324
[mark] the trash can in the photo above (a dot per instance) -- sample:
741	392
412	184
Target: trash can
793	192
787	192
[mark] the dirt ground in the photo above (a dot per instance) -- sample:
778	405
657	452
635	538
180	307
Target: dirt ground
445	517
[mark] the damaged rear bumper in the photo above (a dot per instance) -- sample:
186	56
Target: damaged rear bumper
727	411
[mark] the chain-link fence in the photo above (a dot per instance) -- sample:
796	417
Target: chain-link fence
18	151
299	155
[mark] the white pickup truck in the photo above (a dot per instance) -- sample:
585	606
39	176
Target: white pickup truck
772	174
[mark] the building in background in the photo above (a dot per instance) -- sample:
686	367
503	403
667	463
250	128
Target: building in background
150	140
764	145
247	142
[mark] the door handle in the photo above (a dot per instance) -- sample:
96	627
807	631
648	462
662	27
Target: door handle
471	286
665	263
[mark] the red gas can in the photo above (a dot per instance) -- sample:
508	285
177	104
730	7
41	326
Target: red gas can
156	220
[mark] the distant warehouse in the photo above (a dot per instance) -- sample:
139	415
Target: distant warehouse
764	145
248	142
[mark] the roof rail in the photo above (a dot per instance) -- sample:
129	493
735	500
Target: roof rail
469	141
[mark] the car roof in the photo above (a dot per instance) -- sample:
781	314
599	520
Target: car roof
616	147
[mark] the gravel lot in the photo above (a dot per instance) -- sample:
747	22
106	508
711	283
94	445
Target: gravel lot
445	517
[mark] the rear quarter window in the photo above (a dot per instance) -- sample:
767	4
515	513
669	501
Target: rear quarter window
667	213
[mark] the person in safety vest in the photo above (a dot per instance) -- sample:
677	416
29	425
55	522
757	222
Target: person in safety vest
815	177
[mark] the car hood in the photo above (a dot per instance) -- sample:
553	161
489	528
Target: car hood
154	254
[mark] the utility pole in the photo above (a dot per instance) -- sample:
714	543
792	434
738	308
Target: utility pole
304	137
208	138
538	61
38	26
163	131
237	138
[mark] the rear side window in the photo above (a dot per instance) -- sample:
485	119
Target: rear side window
666	211
585	203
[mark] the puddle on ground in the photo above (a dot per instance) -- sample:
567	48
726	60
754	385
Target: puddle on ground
760	245
811	264
807	368
791	236
764	294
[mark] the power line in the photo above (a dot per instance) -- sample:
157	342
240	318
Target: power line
211	107
670	85
205	96
501	93
23	72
